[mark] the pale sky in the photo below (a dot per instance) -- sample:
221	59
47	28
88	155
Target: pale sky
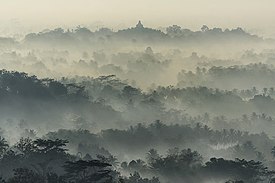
253	15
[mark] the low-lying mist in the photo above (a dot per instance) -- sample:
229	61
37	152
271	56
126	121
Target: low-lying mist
137	105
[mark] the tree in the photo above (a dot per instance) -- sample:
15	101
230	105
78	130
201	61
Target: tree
3	146
204	28
112	160
24	175
174	31
25	145
183	163
152	156
87	171
46	152
136	178
240	169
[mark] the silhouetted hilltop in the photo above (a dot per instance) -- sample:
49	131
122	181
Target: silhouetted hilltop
141	34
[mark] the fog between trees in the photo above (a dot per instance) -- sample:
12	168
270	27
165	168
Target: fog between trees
137	105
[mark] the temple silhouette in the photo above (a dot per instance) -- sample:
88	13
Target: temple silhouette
139	25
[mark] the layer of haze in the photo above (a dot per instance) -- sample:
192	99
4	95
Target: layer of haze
255	15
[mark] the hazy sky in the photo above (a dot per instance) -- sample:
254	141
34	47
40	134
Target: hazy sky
254	15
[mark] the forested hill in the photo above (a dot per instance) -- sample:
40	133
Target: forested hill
82	36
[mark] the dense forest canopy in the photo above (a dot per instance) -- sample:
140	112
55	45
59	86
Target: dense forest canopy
137	105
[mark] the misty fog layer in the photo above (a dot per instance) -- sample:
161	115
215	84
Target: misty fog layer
137	105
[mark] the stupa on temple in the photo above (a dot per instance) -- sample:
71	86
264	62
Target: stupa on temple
139	25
